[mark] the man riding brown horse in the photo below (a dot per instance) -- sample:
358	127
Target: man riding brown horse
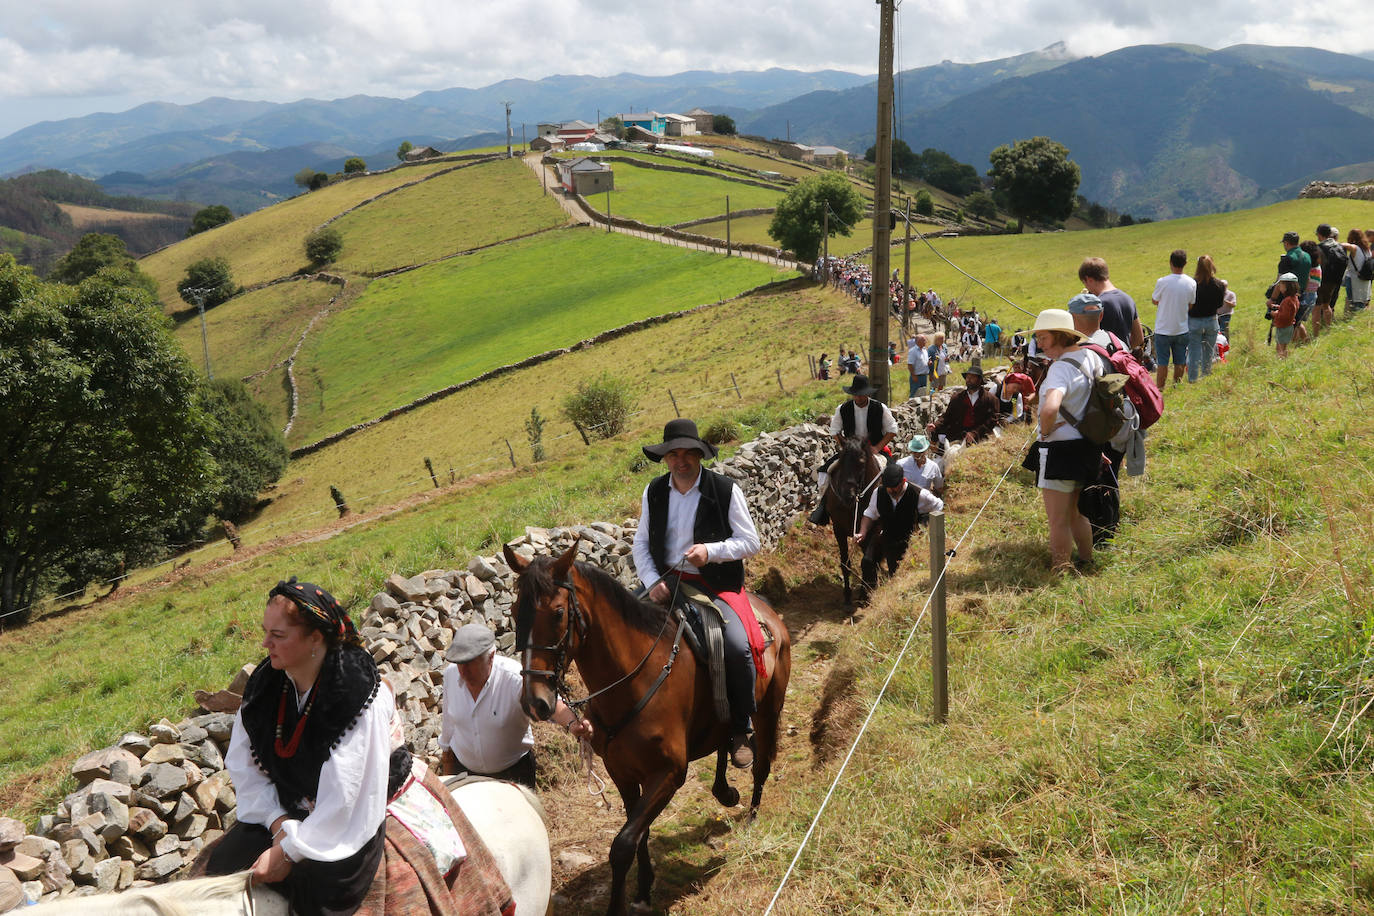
862	417
695	528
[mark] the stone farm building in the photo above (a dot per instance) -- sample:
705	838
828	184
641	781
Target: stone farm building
585	176
706	122
680	125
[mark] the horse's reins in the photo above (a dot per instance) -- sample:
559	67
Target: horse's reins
858	513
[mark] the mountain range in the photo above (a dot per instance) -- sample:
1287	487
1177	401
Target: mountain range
1158	130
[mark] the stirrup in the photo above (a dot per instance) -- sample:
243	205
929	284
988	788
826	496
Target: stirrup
818	515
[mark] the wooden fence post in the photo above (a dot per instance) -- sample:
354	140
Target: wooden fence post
339	502
780	388
429	466
736	384
512	454
232	533
674	400
939	647
582	432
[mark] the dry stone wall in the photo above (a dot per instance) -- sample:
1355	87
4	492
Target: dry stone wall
1353	191
147	805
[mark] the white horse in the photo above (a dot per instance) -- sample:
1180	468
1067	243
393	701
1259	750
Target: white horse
507	817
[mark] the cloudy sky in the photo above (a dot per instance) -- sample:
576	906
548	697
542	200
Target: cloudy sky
64	58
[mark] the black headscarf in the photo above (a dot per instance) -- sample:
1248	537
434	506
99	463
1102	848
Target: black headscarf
329	615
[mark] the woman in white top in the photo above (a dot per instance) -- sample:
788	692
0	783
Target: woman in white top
1061	458
311	758
1356	246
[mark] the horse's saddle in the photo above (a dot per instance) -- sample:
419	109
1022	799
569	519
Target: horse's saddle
706	635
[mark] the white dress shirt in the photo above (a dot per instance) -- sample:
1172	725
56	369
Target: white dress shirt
350	803
926	476
491	732
861	422
682	514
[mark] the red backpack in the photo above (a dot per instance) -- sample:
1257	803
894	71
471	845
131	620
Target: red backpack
1140	385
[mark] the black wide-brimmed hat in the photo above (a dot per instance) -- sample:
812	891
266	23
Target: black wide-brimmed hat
975	368
860	387
679	434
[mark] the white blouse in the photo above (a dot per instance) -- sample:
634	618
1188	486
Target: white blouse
351	802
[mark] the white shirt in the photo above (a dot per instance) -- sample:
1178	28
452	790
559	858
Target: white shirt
926	502
861	423
917	359
351	800
491	732
1076	387
682	515
926	476
1173	294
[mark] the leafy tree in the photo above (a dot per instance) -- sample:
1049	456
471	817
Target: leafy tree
723	124
797	222
1037	177
601	406
323	245
1097	215
1125	220
104	445
981	204
354	164
319	180
925	204
304	177
614	126
209	218
209	278
948	174
904	161
97	253
246	445
405	147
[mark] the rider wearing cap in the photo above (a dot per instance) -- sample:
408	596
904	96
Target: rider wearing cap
899	506
864	417
483	727
695	527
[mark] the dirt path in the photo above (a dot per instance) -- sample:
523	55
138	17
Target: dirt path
578	215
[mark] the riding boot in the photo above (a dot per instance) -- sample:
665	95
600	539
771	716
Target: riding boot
739	686
742	750
819	515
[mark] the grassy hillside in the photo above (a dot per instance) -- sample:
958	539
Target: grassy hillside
665	198
451	213
269	244
458	318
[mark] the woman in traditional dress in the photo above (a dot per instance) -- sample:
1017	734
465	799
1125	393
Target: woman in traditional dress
310	757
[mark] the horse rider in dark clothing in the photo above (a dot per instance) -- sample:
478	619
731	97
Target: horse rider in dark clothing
695	527
898	506
861	416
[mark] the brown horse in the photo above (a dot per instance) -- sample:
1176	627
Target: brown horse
852	479
652	712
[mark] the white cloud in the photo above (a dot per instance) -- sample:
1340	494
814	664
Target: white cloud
77	51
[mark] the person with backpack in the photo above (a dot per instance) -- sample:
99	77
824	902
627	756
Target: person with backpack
1063	458
1334	262
1359	273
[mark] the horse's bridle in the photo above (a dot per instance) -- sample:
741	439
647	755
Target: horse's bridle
558	676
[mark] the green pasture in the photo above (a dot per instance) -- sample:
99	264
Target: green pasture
423	330
755	229
256	330
454	212
1039	271
269	243
691	357
765	164
666	198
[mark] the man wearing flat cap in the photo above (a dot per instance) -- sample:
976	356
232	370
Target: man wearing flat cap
898	506
695	527
971	414
484	729
864	417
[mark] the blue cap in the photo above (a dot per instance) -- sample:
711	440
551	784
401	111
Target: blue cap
1084	304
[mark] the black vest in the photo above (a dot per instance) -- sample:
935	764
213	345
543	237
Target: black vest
875	419
712	524
899	518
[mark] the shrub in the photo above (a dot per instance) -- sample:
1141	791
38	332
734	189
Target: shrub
722	429
925	204
981	204
210	279
354	164
601	406
534	428
323	245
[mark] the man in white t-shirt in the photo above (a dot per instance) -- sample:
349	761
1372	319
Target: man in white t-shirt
483	727
919	469
1174	292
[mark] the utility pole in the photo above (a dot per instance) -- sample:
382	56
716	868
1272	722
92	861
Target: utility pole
727	225
825	238
200	294
878	364
906	271
508	133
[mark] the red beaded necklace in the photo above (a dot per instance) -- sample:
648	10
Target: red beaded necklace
288	750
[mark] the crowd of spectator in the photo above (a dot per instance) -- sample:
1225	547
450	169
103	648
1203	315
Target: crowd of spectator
1311	275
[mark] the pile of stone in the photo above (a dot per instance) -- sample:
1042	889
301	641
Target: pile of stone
147	805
